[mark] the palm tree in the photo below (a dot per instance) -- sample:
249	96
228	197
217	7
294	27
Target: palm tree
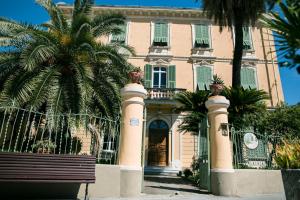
246	105
193	105
59	66
235	14
286	30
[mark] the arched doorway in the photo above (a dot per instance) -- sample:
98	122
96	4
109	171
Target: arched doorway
158	143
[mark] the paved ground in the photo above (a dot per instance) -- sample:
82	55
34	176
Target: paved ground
159	187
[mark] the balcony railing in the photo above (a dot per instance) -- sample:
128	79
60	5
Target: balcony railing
163	93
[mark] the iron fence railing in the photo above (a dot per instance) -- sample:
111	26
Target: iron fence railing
252	149
29	131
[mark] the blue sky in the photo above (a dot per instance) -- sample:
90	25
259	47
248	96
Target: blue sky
28	11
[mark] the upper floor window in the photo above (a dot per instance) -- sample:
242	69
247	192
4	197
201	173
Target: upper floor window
121	37
201	38
204	77
247	40
248	77
160	76
161	34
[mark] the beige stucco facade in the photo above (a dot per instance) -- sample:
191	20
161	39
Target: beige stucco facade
180	52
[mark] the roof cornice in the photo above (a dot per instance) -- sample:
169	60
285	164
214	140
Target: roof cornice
152	12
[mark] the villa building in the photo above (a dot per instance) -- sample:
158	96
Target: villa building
179	50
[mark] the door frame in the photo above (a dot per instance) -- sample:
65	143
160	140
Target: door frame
170	151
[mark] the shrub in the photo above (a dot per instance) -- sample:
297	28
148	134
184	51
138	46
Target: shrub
179	173
187	172
288	155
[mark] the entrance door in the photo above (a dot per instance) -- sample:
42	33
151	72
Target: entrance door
158	143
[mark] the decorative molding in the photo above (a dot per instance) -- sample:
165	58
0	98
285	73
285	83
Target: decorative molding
155	59
202	60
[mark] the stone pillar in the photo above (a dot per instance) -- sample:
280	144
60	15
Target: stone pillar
220	146
130	151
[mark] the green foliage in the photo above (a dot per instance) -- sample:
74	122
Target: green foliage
217	80
59	66
288	155
187	173
246	105
284	120
286	29
193	104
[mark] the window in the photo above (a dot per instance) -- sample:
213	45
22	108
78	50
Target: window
121	37
248	79
204	77
247	43
160	34
202	39
160	76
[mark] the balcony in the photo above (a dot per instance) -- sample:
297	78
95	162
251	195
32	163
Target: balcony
163	93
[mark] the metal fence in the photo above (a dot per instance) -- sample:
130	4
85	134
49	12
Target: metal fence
252	149
28	131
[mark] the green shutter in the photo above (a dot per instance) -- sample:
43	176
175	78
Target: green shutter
148	76
248	78
172	76
160	32
204	75
247	44
121	36
201	34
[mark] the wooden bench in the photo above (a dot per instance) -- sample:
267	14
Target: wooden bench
46	168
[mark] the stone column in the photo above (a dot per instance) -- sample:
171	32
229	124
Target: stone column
220	146
131	139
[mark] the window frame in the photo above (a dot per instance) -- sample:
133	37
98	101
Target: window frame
255	74
152	35
126	23
195	72
159	72
194	35
251	39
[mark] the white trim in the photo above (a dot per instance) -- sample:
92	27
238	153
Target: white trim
195	66
131	168
127	32
169	34
222	170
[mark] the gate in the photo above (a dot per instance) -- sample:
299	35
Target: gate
252	149
204	155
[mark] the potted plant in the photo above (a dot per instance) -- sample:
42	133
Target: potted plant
136	75
44	146
217	85
287	158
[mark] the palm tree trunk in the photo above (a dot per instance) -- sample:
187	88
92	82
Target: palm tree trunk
238	53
